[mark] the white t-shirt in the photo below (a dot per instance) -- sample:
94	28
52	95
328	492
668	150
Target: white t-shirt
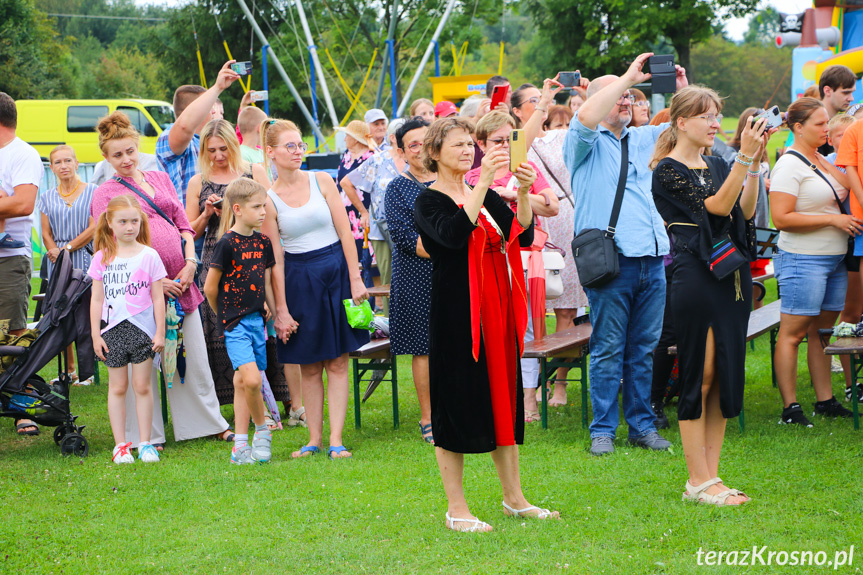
126	282
814	196
20	164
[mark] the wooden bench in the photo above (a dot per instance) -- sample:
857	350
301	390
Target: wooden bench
761	321
379	291
567	349
852	346
374	357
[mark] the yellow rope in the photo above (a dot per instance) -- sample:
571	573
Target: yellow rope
500	63
354	97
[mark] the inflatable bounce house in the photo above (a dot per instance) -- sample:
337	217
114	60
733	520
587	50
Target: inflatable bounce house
831	32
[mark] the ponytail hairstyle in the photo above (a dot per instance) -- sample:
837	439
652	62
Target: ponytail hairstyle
221	129
686	103
104	239
270	132
115	126
240	191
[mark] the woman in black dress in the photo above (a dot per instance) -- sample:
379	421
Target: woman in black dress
478	317
410	291
701	201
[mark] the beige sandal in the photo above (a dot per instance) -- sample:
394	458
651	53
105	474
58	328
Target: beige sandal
475	525
295	418
543	513
531	416
697	493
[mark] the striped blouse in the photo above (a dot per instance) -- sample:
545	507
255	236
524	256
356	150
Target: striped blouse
68	222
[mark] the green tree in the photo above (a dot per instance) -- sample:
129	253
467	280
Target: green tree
34	63
763	27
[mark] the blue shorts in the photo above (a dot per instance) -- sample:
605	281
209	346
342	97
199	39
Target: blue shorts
247	342
809	284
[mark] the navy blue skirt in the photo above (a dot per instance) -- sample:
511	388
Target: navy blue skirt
316	284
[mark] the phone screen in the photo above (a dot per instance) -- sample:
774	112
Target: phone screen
517	150
242	68
569	79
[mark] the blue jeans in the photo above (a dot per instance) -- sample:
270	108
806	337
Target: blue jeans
626	315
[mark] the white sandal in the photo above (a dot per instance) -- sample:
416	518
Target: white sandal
295	417
475	524
543	513
697	493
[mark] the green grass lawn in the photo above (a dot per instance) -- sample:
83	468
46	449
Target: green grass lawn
383	511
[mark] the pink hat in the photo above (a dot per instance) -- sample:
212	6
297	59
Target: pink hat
445	109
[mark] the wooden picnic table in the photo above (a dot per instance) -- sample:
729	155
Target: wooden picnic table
379	291
567	349
852	346
376	357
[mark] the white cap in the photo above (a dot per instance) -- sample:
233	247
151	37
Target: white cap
374	115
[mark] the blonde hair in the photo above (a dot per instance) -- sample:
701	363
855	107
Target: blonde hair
492	122
270	132
240	191
61	148
839	121
104	239
686	103
417	103
437	133
250	119
115	126
221	129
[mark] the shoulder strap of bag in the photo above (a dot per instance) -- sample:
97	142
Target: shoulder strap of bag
815	169
422	186
146	198
621	186
568	195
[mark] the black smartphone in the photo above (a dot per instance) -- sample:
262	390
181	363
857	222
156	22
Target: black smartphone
663	75
569	79
773	115
242	68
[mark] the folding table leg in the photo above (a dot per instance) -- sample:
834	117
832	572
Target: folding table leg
543	384
356	370
773	333
582	364
395	379
164	394
855	372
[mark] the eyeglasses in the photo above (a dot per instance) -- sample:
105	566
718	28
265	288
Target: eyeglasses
415	147
711	118
534	100
499	141
626	98
641	103
293	147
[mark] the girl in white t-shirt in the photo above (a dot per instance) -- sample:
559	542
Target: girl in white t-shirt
127	317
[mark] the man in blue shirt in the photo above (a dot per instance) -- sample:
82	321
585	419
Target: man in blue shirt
626	313
178	146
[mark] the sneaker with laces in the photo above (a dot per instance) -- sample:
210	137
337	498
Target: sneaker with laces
261	446
661	419
831	408
147	453
859	393
652	441
122	454
602	446
242	455
793	415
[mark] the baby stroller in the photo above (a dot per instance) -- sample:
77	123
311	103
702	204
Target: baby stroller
65	319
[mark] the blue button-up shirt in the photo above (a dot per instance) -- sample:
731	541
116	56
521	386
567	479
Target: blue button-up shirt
182	167
593	160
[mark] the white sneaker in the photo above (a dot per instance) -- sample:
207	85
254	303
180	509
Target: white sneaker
835	365
147	453
122	454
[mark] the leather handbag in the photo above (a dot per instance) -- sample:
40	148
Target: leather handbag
852	262
593	249
553	262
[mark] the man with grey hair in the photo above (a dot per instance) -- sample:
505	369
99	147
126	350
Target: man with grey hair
626	313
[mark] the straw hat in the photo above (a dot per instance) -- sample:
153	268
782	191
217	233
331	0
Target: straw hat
359	131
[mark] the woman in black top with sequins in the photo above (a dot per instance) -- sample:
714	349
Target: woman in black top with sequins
701	201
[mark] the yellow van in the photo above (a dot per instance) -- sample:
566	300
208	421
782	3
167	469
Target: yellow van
47	123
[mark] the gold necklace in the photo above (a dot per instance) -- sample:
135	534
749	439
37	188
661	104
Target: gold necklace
70	194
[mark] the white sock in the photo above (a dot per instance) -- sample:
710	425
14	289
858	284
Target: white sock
241	439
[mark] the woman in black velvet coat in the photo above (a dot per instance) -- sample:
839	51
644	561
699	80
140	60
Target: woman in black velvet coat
478	316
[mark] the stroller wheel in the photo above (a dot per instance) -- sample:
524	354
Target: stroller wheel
60	432
74	444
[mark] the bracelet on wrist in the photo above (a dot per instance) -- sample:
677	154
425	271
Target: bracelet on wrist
741	162
743	156
752	174
193	260
541	109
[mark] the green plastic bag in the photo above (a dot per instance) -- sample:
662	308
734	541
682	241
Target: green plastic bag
359	316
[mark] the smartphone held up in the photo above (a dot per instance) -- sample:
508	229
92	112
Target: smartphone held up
517	149
569	80
773	116
242	68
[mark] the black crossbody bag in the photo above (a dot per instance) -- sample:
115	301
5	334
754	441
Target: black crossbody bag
593	249
852	262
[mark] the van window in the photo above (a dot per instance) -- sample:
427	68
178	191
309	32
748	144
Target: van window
135	116
84	118
163	115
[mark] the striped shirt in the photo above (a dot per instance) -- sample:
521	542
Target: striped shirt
182	167
68	222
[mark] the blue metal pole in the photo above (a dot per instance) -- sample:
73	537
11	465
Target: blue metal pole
266	81
314	95
436	59
391	51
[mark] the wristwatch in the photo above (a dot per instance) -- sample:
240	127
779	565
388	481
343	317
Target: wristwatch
68	247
